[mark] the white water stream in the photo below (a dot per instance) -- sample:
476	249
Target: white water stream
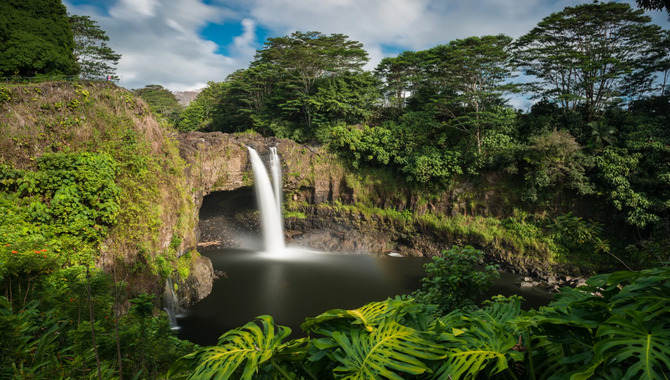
269	200
275	168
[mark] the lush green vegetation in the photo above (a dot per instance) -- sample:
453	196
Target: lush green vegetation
73	327
35	38
80	189
594	146
161	101
452	282
39	38
86	180
585	180
83	197
615	326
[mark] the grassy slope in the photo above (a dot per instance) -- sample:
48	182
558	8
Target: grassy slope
103	118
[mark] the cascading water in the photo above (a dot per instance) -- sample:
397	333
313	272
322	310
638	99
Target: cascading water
268	202
170	303
295	283
275	169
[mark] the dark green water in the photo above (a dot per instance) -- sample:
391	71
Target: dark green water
297	284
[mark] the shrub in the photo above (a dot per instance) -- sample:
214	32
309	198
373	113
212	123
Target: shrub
453	279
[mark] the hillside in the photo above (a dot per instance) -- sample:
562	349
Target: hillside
47	129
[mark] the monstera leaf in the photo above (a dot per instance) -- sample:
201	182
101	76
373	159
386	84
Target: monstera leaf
483	346
646	291
390	348
639	346
543	357
245	348
500	309
366	317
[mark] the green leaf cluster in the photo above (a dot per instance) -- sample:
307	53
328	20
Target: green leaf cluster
56	215
451	280
161	101
35	39
50	337
616	326
94	57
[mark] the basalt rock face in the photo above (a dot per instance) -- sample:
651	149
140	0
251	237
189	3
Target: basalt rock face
220	162
317	180
199	283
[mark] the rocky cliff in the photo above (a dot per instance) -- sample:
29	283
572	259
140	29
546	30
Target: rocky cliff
164	176
342	211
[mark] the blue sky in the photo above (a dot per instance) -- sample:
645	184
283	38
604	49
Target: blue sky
183	44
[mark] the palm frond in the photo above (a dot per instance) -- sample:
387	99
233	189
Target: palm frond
367	316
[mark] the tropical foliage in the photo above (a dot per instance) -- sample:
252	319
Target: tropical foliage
78	186
161	100
95	58
35	39
587	182
615	326
594	145
450	281
595	74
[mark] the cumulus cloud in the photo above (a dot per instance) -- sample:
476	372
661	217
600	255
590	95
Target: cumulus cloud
412	24
244	44
134	9
160	42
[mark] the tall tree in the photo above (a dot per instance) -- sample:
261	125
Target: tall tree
246	98
304	58
35	38
350	98
401	77
205	112
654	5
94	57
160	100
584	56
474	71
663	62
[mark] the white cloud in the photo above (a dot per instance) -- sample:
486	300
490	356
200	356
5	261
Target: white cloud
245	44
134	9
159	42
410	24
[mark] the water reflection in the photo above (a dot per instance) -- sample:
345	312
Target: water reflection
297	284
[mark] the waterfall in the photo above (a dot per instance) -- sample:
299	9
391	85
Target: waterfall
170	303
275	168
268	203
